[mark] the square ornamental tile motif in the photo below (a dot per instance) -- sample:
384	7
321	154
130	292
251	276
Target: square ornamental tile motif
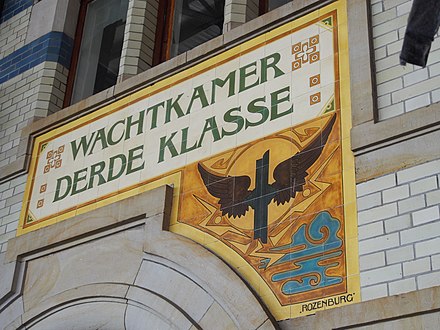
256	143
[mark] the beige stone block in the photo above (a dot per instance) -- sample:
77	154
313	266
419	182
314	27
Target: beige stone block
62	262
216	318
127	71
98	99
166	311
92	262
430	321
235	17
266	325
90	315
7	272
142	3
15	167
351	316
11	316
415	322
234	297
175	287
129	210
212	46
130	52
264	22
14	324
153	202
135	11
407	139
85	293
138	318
150	76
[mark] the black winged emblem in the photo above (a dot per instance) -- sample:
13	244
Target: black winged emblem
234	195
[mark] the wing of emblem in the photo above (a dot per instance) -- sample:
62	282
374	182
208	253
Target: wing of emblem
231	191
290	174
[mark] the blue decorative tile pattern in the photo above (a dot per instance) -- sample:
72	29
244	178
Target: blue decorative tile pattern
52	47
14	7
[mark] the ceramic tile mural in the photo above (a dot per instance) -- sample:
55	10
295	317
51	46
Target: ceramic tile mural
256	143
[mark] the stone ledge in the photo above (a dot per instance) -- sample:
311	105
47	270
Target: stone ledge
83	293
369	136
128	211
16	168
407	152
371	312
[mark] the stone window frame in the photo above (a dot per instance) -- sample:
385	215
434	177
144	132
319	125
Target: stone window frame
75	53
163	19
370	140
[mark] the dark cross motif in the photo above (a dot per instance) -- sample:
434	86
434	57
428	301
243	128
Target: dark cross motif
260	198
234	195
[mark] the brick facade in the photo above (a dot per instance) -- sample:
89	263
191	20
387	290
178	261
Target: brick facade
52	47
398	206
13	32
137	50
400	89
13	8
399	214
11	196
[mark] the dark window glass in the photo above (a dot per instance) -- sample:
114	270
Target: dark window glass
276	3
268	5
109	56
100	49
195	22
185	24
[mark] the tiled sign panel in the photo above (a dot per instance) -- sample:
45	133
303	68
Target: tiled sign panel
256	144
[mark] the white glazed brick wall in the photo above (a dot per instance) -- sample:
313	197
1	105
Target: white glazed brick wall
13	32
31	95
11	200
400	89
139	38
238	12
399	231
